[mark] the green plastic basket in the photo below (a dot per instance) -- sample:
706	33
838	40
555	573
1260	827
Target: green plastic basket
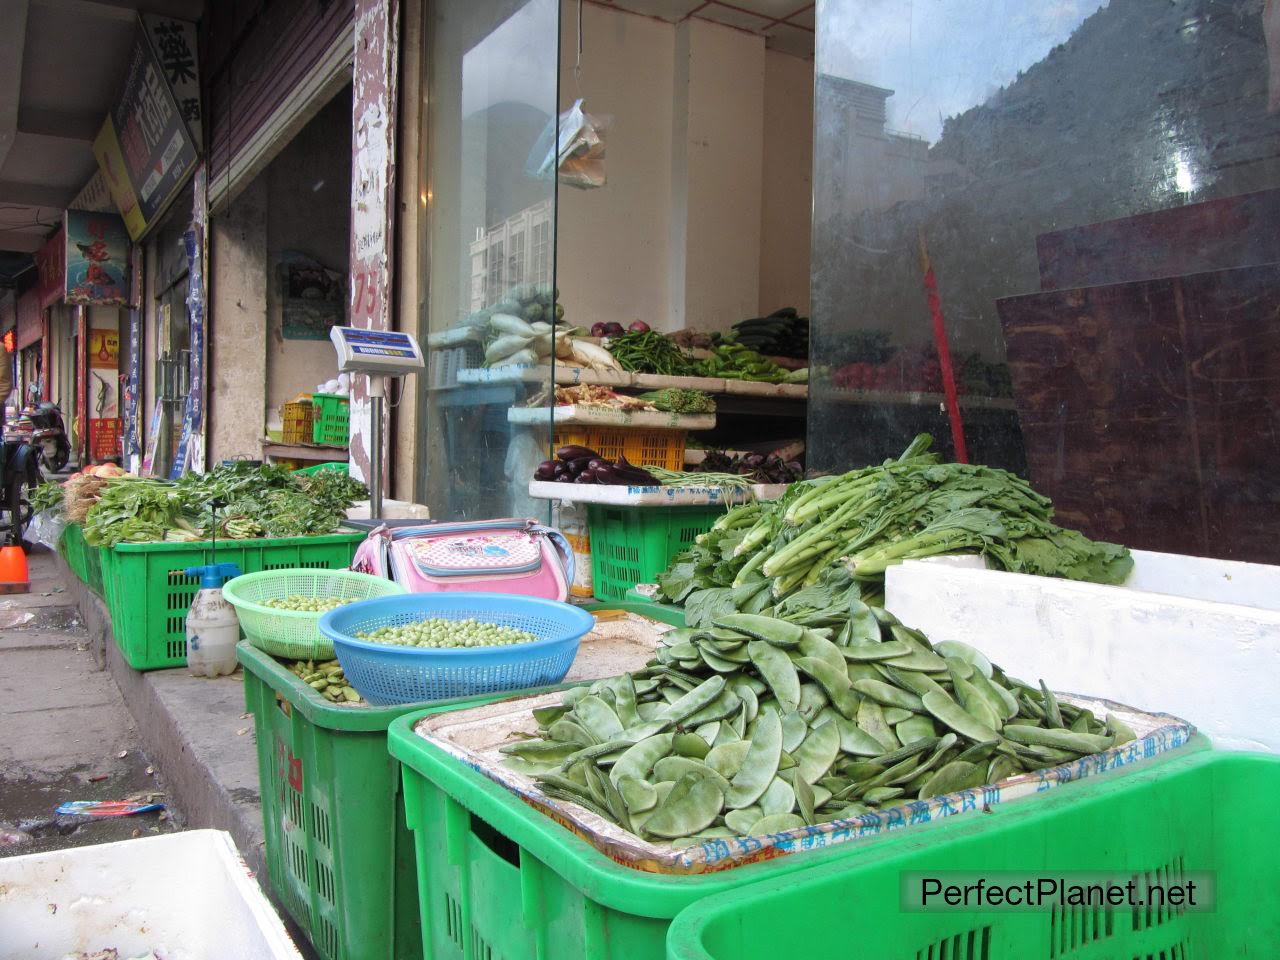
148	594
296	634
631	545
1207	812
332	465
498	878
332	424
84	560
339	854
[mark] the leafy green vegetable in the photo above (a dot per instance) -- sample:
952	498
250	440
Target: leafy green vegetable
48	496
829	540
246	501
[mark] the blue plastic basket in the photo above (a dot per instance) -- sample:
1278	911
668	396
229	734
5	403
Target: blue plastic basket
386	675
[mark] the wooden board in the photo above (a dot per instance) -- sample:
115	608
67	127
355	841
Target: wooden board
1150	410
1196	238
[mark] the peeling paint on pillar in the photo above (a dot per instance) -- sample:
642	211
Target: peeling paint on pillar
372	184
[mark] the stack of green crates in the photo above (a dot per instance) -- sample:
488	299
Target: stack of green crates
339	854
498	878
84	560
631	545
1203	818
148	593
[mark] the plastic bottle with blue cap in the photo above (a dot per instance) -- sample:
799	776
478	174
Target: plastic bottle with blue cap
213	629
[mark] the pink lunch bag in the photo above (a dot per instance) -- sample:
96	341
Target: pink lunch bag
494	556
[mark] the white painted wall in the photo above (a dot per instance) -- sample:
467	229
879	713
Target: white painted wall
612	255
1193	637
709	148
787	177
724	145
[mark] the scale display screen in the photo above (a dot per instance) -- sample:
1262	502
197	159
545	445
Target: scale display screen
385	352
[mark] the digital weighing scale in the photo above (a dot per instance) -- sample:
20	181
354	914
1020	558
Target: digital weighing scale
377	354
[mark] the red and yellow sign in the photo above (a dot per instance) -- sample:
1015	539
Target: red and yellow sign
104	439
104	349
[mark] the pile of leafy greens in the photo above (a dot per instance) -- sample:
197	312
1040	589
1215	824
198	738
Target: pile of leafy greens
234	501
830	539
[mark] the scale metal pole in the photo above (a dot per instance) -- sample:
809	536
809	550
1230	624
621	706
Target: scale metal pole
377	391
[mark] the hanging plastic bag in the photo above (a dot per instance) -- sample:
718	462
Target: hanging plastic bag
579	154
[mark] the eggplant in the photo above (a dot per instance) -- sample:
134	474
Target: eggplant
574	452
562	471
595	462
607	474
579	464
584	478
544	474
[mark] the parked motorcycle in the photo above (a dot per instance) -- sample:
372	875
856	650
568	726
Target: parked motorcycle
19	475
49	434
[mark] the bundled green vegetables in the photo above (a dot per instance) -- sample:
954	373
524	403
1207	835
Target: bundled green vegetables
680	400
252	501
837	535
651	352
751	725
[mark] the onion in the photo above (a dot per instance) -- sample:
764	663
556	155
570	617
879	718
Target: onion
638	326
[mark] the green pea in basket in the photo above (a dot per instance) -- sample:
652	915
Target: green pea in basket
295	634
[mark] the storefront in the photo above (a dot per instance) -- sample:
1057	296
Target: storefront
1042	284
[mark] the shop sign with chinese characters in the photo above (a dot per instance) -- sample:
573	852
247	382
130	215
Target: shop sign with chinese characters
97	258
51	269
145	149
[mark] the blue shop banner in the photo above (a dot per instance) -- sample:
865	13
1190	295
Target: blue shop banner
97	258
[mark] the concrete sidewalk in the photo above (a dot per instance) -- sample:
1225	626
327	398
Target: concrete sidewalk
65	733
194	729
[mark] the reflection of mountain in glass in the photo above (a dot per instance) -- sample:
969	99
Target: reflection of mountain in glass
1146	106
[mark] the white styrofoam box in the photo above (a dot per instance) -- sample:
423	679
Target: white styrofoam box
391	510
600	416
1195	637
183	896
624	496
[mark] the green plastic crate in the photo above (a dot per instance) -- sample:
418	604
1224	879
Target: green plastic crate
148	595
339	855
1203	812
332	423
499	879
631	545
333	465
84	560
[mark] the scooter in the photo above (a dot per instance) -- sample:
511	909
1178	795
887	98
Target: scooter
19	475
49	434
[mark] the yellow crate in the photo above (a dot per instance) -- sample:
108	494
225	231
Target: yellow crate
298	421
644	448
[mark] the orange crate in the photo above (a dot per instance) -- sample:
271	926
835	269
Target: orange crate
298	421
644	448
